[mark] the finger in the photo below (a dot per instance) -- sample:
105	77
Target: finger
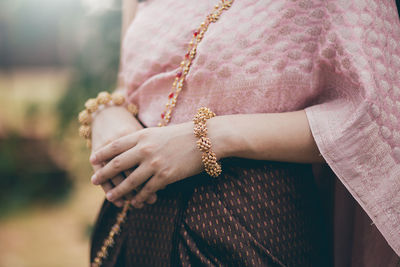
116	181
152	199
136	178
117	165
96	167
125	174
107	187
148	190
119	179
114	148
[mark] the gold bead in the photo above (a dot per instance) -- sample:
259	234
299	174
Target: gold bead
215	170
208	158
84	117
133	109
91	105
118	98
206	112
200	130
85	131
204	144
103	98
108	242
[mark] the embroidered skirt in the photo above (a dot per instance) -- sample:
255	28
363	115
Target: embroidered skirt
257	213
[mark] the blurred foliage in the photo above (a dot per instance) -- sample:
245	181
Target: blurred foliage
37	33
29	174
63	33
59	34
95	67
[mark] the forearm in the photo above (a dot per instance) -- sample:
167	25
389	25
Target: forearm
274	136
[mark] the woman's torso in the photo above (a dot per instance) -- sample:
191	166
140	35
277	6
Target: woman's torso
260	56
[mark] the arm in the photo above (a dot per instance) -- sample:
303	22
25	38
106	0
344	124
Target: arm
115	122
275	136
168	154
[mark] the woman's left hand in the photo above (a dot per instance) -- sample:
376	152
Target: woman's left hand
161	155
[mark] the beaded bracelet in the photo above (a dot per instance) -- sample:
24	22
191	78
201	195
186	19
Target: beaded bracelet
93	104
209	159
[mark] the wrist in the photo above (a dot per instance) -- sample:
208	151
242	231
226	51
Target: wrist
95	105
222	136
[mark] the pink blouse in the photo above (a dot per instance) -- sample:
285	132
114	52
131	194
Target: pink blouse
337	59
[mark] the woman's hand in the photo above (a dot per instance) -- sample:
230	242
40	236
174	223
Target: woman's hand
167	154
109	125
163	155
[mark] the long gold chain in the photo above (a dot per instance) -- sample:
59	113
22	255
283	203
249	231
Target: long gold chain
186	63
177	86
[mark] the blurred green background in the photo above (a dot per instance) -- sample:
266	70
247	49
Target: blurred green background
54	54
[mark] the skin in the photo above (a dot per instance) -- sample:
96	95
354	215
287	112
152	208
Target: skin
164	155
114	122
121	145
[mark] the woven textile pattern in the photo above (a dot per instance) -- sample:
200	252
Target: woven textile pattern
257	214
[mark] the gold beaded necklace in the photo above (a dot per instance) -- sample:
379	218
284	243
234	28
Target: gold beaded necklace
177	86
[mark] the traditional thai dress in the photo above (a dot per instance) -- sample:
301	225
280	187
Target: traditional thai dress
339	60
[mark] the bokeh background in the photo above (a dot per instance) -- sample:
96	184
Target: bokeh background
54	54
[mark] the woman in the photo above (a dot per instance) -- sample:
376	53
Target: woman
292	83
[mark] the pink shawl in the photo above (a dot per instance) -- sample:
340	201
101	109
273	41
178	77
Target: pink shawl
337	59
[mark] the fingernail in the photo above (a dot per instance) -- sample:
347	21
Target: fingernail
109	196
93	179
92	158
133	202
119	203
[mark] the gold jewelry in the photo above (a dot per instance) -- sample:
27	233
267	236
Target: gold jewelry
92	105
187	61
209	159
177	86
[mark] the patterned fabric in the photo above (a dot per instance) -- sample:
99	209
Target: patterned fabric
337	59
256	214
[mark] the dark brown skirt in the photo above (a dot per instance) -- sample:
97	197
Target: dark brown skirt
257	213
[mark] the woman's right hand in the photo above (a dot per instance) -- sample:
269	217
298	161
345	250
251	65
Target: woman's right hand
108	125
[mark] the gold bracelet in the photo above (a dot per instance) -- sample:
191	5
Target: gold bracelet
209	159
92	105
